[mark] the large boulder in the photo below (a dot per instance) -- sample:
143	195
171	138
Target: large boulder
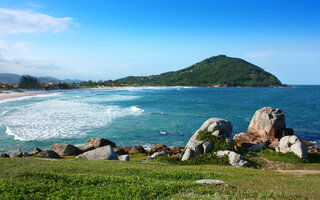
294	145
267	126
16	153
99	142
101	153
235	159
65	149
218	127
268	123
4	155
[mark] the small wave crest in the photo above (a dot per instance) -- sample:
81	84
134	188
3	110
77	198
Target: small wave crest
27	97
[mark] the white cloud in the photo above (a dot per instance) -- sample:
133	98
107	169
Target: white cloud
16	21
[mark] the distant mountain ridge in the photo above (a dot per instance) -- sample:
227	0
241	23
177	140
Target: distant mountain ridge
217	70
8	78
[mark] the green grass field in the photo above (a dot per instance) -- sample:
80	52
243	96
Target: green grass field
36	178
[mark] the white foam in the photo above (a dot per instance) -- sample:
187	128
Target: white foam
27	97
61	119
3	113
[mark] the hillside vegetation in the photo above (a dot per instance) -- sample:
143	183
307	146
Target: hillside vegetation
210	72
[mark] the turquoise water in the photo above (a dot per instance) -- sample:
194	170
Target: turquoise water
145	116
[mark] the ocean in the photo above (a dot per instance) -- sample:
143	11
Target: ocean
146	116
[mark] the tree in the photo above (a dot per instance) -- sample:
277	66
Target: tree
29	82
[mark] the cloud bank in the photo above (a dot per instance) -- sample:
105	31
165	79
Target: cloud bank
15	21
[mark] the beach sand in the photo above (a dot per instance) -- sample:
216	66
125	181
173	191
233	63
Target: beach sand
7	94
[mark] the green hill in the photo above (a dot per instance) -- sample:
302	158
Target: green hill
216	70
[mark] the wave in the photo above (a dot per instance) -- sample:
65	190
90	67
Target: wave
3	113
62	119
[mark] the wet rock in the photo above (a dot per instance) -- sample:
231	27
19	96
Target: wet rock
49	154
235	159
65	149
176	150
124	158
294	145
16	153
306	142
119	151
101	153
159	148
100	142
194	146
27	154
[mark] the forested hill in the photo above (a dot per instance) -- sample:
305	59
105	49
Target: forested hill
216	70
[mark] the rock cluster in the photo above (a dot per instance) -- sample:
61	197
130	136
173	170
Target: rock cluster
294	145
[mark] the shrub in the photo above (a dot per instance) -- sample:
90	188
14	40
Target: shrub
218	143
282	157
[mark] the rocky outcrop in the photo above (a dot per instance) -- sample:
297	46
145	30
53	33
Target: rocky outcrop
235	159
101	153
49	154
65	149
134	149
294	145
99	142
16	153
218	127
267	126
176	150
119	151
124	158
159	148
87	147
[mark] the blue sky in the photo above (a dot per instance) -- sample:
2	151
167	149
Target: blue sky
113	39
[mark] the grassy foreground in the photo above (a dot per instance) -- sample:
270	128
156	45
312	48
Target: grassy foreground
35	178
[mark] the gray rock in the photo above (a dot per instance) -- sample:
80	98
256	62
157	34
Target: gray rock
294	145
158	154
100	142
87	147
256	147
207	147
27	154
65	149
235	159
49	154
211	181
124	158
101	153
16	153
37	150
217	126
4	155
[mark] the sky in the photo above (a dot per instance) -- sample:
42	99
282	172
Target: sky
110	39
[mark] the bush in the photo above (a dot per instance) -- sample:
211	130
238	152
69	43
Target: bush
282	157
209	158
218	143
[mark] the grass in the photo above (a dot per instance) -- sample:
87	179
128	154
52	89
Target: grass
218	143
35	178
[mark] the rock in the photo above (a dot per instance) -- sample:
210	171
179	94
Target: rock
65	149
158	154
37	150
246	140
224	127
176	150
4	155
211	181
86	147
159	148
256	147
119	151
306	142
49	154
16	153
27	154
235	159
294	145
207	147
268	123
134	149
101	153
124	158
100	142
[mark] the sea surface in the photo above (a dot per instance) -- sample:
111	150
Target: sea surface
146	116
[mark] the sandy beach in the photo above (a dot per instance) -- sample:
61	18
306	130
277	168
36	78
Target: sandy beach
6	94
